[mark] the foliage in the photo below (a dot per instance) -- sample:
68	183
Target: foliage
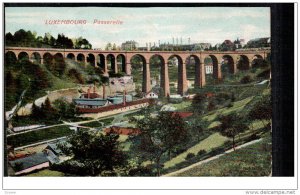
246	79
253	160
160	135
198	103
261	110
189	156
93	153
30	39
232	125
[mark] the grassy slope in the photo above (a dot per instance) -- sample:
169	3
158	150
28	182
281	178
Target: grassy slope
46	173
214	140
253	160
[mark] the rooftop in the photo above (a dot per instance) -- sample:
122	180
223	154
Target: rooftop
30	161
91	102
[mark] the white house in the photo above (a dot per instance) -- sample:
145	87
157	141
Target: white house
151	95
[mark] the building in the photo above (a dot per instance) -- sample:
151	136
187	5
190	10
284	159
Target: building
209	69
259	42
129	45
91	103
30	163
151	95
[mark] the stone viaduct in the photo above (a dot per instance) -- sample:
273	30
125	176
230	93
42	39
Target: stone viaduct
123	59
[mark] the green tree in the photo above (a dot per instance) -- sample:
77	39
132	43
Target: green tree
198	103
231	126
160	135
262	110
94	153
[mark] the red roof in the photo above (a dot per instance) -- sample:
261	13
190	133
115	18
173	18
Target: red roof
182	114
122	130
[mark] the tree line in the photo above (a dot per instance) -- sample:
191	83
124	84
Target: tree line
31	39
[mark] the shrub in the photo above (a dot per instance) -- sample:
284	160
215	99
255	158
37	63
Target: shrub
201	152
189	156
246	79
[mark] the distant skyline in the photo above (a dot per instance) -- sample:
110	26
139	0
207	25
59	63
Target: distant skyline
200	24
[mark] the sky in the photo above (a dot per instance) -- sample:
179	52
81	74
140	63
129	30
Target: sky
144	25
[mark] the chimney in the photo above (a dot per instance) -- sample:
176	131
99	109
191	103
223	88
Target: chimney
89	91
103	87
124	97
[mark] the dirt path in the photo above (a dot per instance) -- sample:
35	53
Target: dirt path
209	159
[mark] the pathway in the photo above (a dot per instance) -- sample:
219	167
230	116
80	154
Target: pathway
209	159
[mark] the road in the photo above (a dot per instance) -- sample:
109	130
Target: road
117	117
210	159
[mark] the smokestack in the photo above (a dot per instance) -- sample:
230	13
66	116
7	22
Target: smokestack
124	97
103	88
89	92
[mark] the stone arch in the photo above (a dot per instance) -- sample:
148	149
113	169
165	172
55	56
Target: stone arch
258	61
194	69
80	57
228	65
47	58
159	74
139	64
71	56
101	62
36	58
23	56
10	58
111	65
121	63
91	59
181	73
243	63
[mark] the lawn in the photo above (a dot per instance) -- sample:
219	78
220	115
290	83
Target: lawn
38	136
46	173
253	160
237	106
213	141
183	106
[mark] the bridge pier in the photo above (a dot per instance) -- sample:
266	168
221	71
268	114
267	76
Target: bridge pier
128	68
182	80
146	78
116	65
202	75
164	81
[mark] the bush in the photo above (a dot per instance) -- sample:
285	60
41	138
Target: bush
201	152
246	79
189	156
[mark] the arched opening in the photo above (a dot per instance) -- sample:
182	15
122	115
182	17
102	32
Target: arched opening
121	63
23	56
91	59
10	58
258	62
71	56
59	64
243	63
212	72
227	66
193	71
157	79
36	58
48	58
110	59
80	58
176	73
101	62
138	64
